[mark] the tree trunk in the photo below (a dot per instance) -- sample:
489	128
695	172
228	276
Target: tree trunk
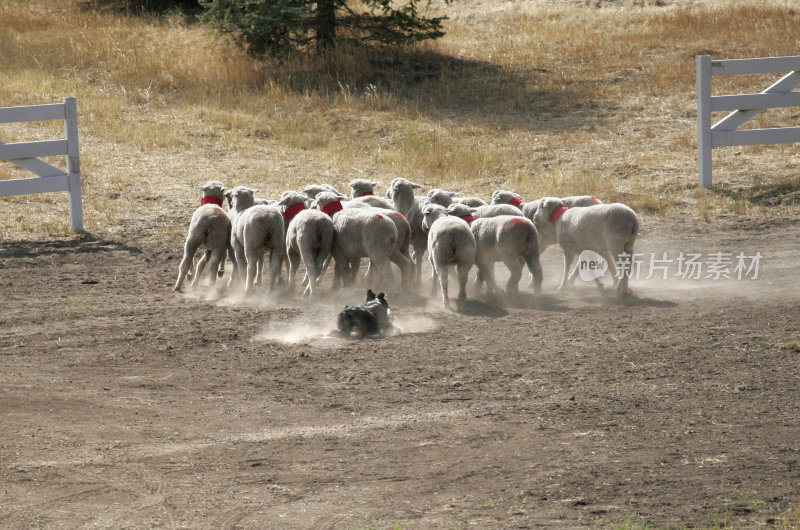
326	24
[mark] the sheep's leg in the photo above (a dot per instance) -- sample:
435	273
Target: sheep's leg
485	275
478	282
215	257
259	269
351	271
294	262
405	268
201	266
275	263
382	264
189	249
368	276
419	251
234	269
318	262
341	267
463	276
434	276
240	265
514	265
252	257
441	271
535	268
326	265
569	259
622	286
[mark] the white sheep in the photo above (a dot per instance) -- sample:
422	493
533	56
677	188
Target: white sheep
450	242
403	257
209	230
362	190
402	194
509	197
359	233
547	234
489	210
446	198
608	229
309	236
256	227
512	240
312	190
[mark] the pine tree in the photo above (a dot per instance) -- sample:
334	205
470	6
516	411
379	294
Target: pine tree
280	27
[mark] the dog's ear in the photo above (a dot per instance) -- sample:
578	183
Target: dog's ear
370	295
381	296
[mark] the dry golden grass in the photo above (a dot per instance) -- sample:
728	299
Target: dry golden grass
547	97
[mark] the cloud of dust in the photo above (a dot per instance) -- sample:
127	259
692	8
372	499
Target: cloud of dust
320	331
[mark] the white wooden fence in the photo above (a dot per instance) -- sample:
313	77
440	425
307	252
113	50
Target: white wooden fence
744	106
24	154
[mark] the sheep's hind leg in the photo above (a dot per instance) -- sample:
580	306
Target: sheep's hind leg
189	250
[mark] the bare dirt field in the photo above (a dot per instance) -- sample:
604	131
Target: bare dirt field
126	405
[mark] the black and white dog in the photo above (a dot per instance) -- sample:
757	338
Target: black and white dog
368	320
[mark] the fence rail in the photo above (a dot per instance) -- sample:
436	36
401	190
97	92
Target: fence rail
48	177
744	106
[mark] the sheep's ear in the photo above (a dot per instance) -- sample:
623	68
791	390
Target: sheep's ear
416	186
453	193
375	184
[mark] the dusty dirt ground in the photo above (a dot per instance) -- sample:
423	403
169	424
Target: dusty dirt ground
124	404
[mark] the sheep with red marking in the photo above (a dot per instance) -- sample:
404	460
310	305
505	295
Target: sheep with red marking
209	230
450	242
309	237
359	233
512	240
547	234
608	229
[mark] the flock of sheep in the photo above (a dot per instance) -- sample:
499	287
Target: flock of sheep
321	223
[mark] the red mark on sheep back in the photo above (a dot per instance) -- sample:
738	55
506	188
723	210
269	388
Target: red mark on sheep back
516	221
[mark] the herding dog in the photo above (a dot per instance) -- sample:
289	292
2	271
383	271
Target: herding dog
370	319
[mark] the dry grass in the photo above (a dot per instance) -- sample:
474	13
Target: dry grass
548	97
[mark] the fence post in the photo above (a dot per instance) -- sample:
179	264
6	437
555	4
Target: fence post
704	120
73	165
